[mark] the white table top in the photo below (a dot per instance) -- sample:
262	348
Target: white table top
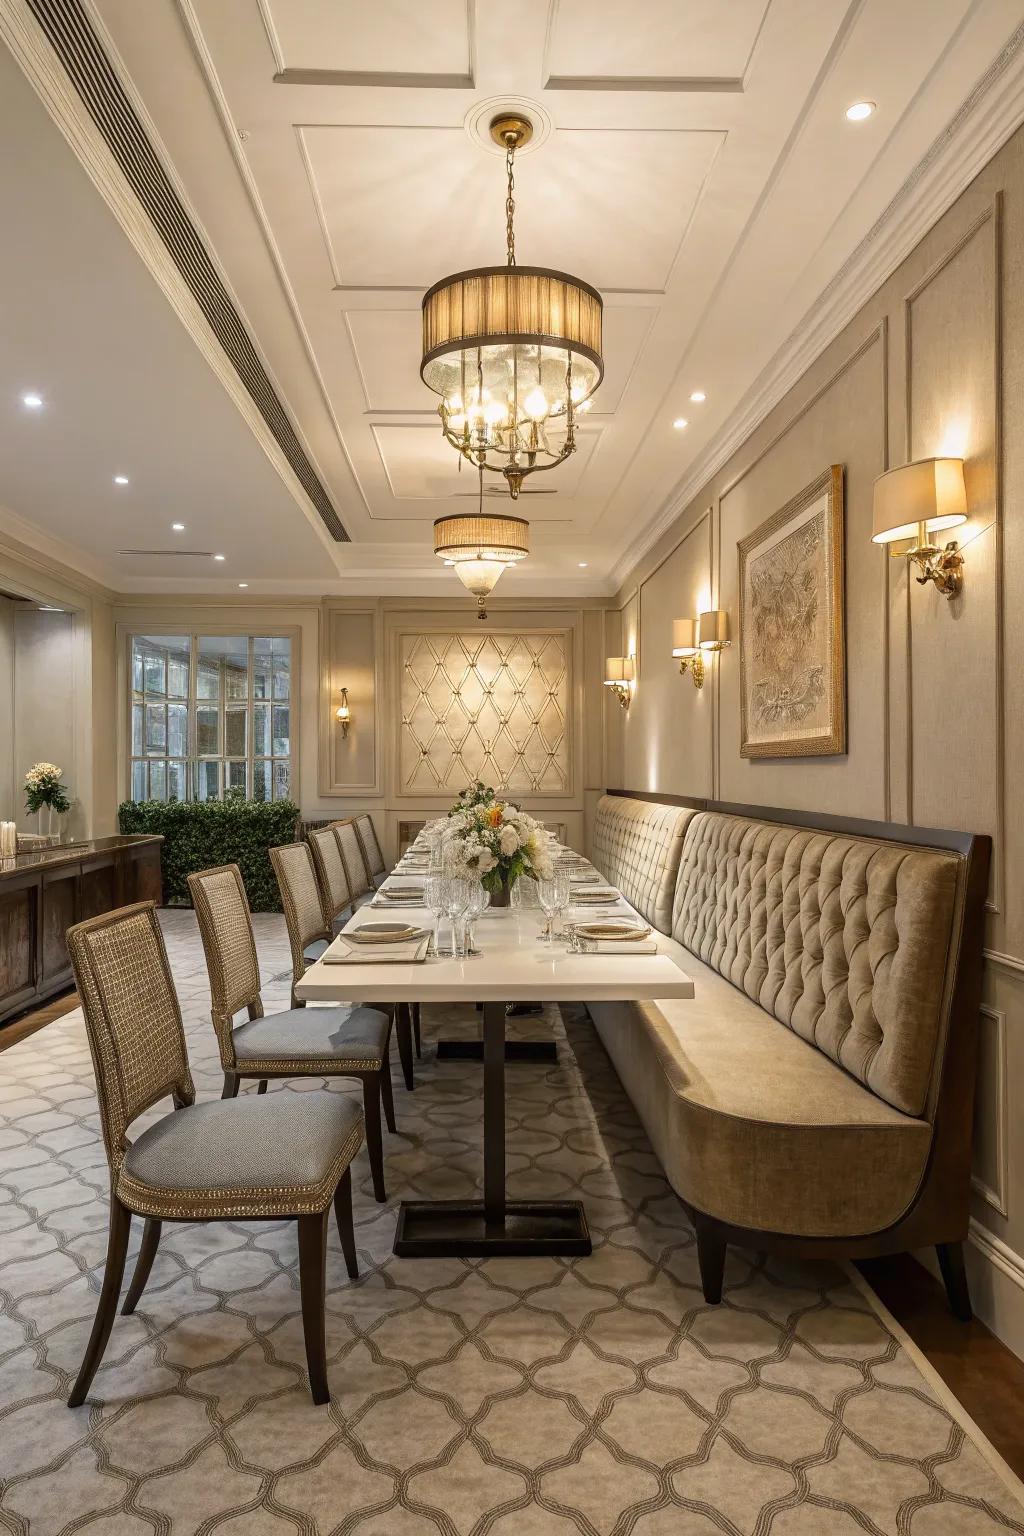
513	967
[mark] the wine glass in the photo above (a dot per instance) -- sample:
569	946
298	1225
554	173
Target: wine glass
479	901
458	891
434	900
563	893
547	891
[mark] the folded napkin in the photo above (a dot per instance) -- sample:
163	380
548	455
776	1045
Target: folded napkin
617	947
584	878
598	894
341	953
400	892
406	901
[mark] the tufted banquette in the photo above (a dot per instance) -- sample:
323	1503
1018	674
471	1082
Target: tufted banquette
817	1093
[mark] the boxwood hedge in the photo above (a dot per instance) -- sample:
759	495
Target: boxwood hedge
199	834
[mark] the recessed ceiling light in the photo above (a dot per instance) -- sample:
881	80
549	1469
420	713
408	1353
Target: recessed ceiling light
698	397
859	111
32	401
243	583
177	527
583	565
120	479
220	557
680	422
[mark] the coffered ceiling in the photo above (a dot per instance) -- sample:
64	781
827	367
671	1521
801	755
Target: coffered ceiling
692	160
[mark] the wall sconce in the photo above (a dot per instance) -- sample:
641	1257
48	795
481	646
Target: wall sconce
713	630
343	713
915	501
686	648
619	672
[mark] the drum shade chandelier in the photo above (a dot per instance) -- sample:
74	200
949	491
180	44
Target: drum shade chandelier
480	547
514	352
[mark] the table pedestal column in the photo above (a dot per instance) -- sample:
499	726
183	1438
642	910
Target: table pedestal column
494	1225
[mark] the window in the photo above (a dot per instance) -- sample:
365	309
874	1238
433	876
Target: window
211	716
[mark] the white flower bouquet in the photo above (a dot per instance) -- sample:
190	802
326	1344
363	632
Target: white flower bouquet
497	842
43	786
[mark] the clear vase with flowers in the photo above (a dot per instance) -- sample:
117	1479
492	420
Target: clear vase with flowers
47	795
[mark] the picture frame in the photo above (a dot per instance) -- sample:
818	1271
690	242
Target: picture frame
793	627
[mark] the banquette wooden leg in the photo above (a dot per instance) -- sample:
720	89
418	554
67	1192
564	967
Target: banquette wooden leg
711	1246
954	1275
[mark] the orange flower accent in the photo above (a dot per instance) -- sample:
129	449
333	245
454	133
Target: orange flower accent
494	815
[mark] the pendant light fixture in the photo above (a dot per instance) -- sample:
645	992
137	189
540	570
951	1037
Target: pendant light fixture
480	547
514	352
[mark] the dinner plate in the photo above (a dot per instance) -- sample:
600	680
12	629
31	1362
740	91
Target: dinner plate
383	933
613	928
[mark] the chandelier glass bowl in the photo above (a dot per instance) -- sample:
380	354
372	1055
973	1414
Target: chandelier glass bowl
513	352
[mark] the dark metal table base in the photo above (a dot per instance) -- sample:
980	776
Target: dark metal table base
495	1225
515	1050
441	1229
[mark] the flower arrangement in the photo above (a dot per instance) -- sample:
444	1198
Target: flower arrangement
497	842
474	794
43	787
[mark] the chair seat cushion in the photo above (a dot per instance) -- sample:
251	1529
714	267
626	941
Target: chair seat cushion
755	1126
314	951
314	1040
278	1154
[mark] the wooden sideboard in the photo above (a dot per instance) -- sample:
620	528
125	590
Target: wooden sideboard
43	893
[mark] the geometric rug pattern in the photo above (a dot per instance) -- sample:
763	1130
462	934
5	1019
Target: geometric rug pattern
540	1397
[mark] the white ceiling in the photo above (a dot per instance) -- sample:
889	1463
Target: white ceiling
692	160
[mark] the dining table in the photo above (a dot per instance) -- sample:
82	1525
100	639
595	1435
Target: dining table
511	965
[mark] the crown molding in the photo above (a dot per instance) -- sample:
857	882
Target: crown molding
43	557
977	131
44	71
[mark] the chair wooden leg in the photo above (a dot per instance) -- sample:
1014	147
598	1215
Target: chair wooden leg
711	1246
954	1276
113	1274
263	1085
313	1287
374	1140
416	1033
343	1216
387	1095
403	1029
143	1264
230	1090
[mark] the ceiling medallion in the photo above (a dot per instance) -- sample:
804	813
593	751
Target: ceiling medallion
480	546
514	353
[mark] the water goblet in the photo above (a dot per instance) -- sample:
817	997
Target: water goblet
480	900
547	891
458	893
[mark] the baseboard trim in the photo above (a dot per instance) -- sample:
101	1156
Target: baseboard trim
995	1272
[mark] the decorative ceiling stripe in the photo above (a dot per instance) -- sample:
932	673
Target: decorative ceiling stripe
73	39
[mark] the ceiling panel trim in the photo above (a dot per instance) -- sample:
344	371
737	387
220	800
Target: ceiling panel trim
70	33
985	120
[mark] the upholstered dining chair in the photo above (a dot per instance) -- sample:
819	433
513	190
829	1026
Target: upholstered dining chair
359	881
331	876
373	858
237	1160
301	897
341	1041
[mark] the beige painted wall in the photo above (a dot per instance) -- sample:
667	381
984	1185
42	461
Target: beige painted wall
934	363
7	787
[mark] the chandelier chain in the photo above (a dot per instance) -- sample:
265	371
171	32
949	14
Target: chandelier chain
510	204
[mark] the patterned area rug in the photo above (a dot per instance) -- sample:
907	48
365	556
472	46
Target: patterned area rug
517	1397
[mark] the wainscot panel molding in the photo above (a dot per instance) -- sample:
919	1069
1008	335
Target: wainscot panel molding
351	657
932	364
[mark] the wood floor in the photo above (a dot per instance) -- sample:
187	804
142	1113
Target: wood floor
983	1375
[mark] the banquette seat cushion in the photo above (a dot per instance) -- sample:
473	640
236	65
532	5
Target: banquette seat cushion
637	845
795	1093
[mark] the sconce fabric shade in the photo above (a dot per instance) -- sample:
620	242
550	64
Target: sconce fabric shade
684	637
929	491
713	629
619	669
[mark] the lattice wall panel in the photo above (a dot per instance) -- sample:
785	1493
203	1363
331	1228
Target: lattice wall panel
493	708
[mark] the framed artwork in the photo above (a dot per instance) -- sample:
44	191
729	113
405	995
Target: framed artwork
792	631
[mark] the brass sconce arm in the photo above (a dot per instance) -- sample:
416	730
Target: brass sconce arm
944	567
695	666
619	672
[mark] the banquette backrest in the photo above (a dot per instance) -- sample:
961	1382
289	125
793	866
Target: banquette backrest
637	845
852	942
